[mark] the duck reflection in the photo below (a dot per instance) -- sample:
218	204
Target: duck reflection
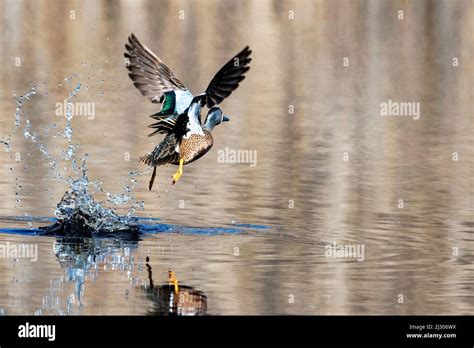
85	258
173	298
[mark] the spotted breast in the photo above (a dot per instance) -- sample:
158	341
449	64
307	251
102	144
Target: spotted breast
195	146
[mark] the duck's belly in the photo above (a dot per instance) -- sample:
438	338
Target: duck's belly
195	146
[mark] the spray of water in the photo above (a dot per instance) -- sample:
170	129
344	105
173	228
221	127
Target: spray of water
79	199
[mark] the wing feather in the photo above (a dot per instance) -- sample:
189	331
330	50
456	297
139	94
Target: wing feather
148	72
228	78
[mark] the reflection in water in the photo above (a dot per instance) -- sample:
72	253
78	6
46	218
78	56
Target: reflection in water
84	258
174	298
81	258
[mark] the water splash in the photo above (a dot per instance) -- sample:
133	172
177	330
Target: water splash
79	208
72	149
18	114
127	196
28	134
6	143
19	105
78	202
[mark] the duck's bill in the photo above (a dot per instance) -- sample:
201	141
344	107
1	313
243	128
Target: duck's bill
225	119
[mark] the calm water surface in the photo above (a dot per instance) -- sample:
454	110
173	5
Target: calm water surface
330	169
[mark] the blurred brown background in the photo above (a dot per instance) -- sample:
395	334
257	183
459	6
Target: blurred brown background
296	62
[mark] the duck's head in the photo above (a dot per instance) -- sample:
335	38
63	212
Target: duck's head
214	117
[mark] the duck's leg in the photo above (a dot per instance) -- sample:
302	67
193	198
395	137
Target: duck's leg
173	281
179	172
150	275
152	178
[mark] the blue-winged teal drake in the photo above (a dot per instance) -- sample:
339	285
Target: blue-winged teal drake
186	138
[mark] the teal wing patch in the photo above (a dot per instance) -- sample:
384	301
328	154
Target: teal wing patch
169	106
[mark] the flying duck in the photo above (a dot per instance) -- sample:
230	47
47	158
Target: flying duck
187	139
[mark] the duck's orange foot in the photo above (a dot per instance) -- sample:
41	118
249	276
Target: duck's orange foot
173	281
176	176
179	172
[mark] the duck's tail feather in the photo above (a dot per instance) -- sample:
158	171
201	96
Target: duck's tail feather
146	159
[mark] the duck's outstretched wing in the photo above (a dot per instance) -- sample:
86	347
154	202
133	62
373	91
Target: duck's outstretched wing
148	72
227	78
